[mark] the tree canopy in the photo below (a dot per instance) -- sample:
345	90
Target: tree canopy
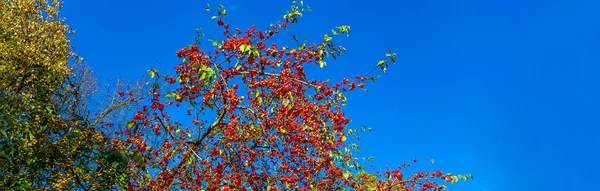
255	119
49	135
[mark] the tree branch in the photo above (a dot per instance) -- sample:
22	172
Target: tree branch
114	107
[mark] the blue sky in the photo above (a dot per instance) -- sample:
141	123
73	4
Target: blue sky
505	90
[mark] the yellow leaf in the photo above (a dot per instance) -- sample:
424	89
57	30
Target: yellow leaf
322	64
152	73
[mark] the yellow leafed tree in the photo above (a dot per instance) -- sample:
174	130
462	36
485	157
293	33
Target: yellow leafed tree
48	134
34	49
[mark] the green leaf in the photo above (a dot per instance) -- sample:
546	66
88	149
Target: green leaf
156	87
4	155
129	124
286	102
346	174
327	38
322	63
302	47
381	62
256	53
152	73
122	157
214	17
137	158
468	176
222	10
343	97
210	71
4	133
29	161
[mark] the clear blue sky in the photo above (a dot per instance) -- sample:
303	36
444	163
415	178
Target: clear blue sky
506	90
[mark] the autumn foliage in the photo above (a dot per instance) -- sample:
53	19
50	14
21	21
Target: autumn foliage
255	121
237	114
50	136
